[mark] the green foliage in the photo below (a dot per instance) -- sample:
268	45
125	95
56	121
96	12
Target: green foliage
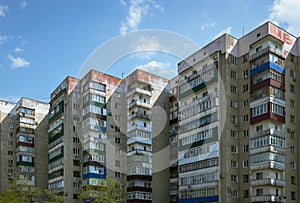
111	193
19	191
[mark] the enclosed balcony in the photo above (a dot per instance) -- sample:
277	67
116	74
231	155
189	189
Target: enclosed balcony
139	91
267	198
268	181
272	49
267	165
270	131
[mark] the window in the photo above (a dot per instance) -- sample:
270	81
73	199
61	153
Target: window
76	162
259	192
277	109
292	103
10	134
234	194
293	135
292	88
293	150
76	140
234	164
75	196
292	119
245	178
246	118
76	174
10	153
117	140
245	163
234	119
234	104
246	133
10	143
10	162
259	110
245	148
76	151
293	195
234	178
234	134
10	126
245	88
245	58
293	180
233	89
234	149
245	193
233	74
76	184
117	174
245	102
293	165
259	176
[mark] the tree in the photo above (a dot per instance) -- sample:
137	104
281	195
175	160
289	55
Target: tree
19	191
111	193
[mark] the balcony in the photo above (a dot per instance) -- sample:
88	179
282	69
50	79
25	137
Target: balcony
139	116
140	134
139	91
270	131
267	149
268	165
139	127
267	198
266	50
268	181
139	152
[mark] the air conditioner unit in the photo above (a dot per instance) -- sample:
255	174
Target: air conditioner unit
229	190
249	172
289	130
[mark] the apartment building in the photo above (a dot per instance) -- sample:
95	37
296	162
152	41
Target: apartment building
237	120
146	100
23	130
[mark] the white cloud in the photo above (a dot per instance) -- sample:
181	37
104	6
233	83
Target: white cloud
17	62
123	2
158	68
208	25
137	9
3	39
226	30
23	4
3	10
145	47
18	50
286	14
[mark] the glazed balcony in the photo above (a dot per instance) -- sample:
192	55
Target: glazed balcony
267	198
269	131
268	181
268	49
267	165
269	148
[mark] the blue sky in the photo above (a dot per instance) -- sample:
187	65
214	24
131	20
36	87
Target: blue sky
42	42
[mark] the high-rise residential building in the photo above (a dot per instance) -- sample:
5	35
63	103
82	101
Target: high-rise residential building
237	119
64	149
173	139
223	130
146	102
23	130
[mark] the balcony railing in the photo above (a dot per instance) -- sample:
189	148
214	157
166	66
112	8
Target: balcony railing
139	103
139	152
268	181
267	164
267	198
139	115
139	127
266	50
269	131
140	91
140	134
267	149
